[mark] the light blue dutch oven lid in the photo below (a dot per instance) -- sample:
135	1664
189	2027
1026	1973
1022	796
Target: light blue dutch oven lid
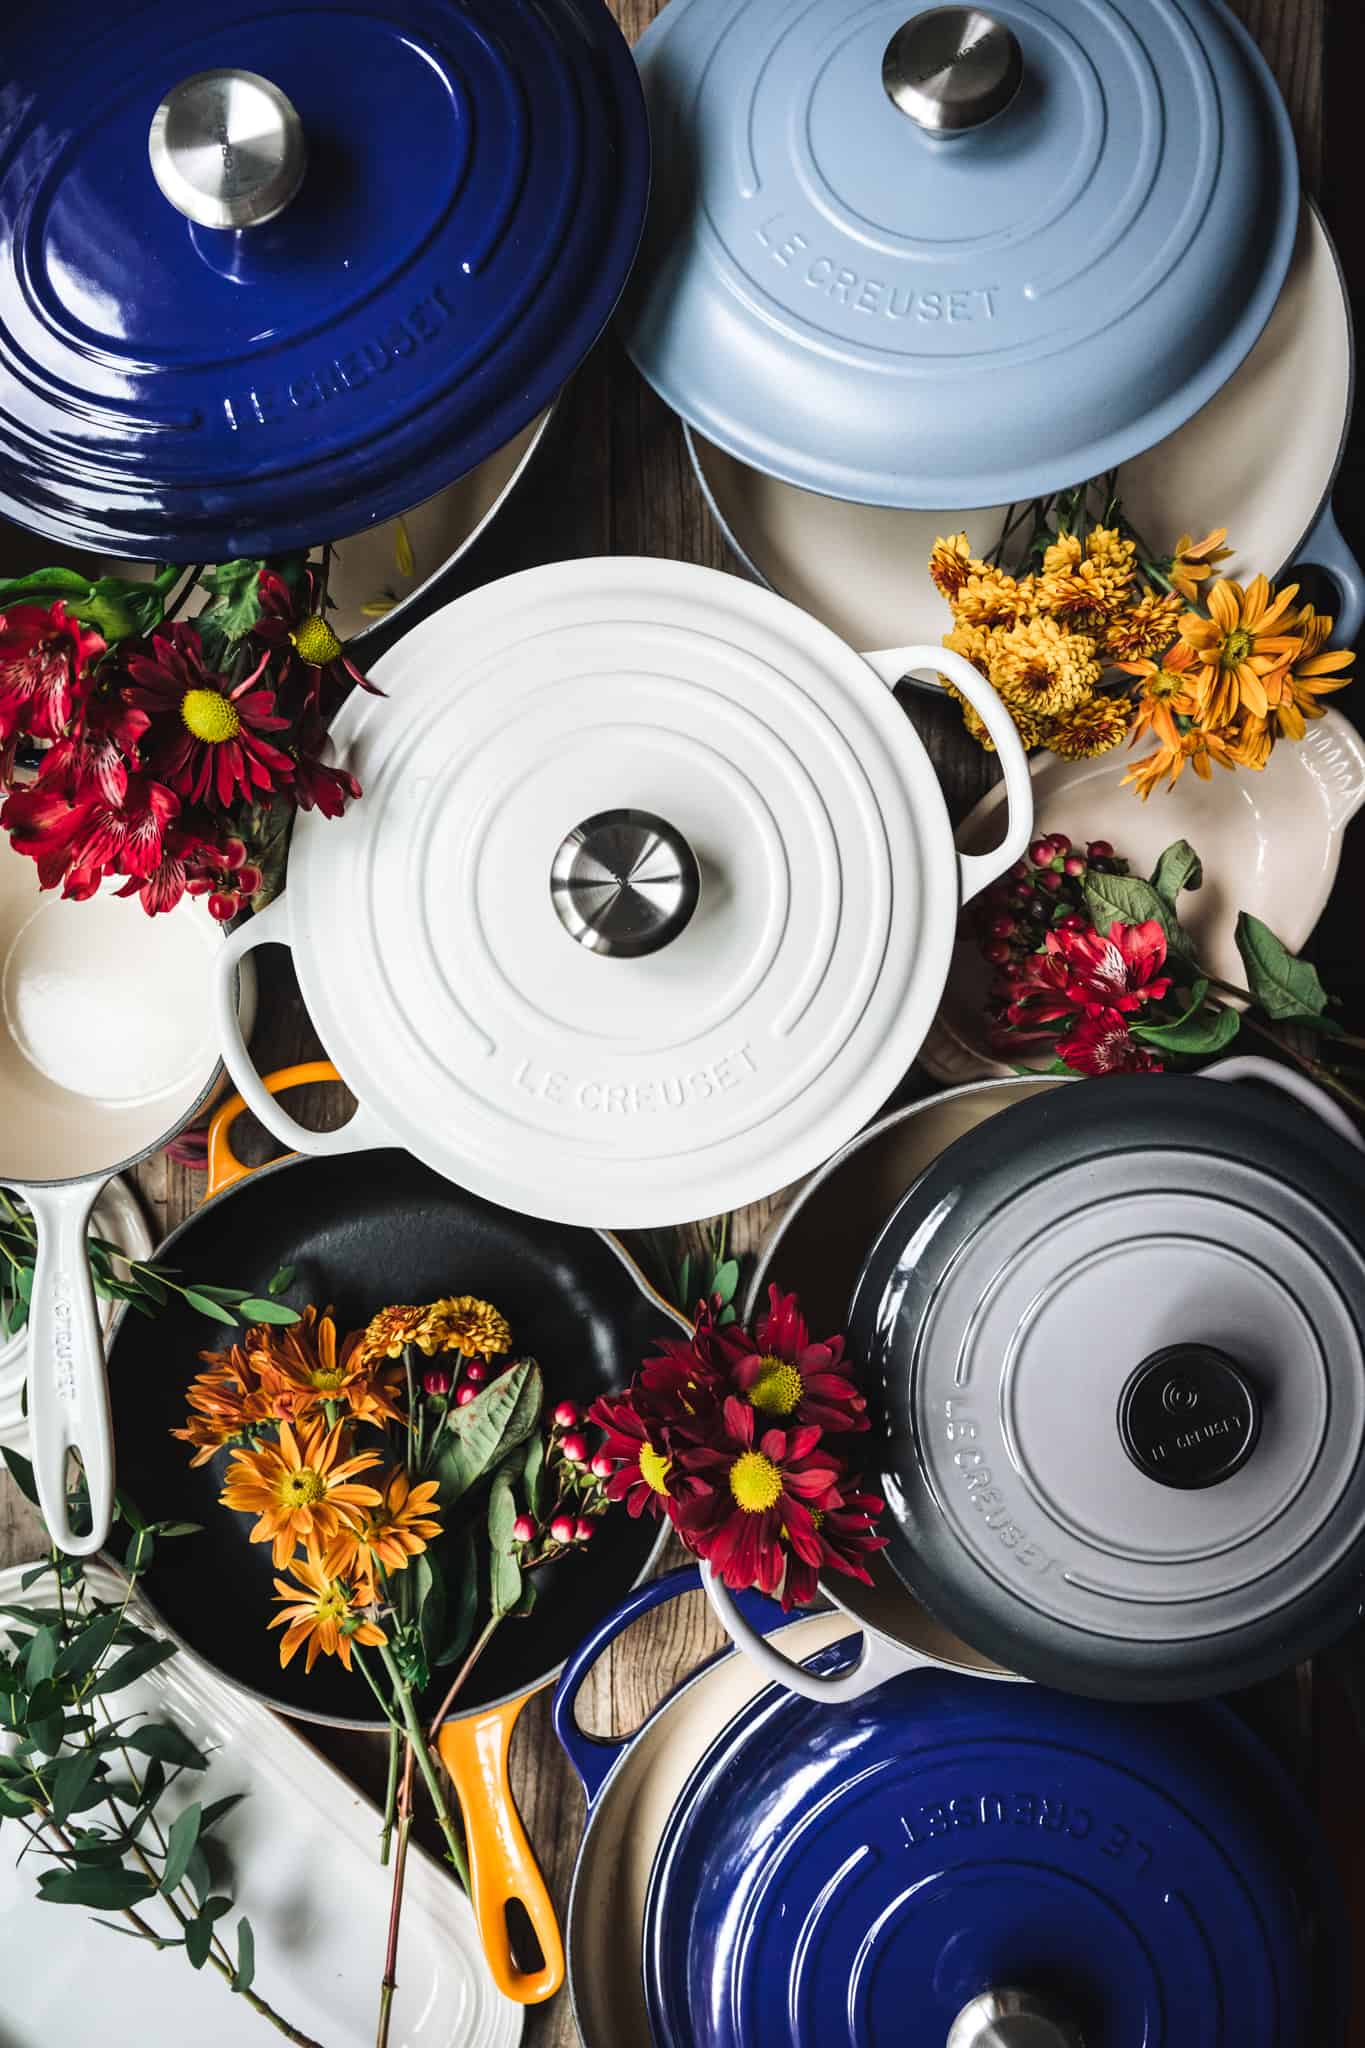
948	257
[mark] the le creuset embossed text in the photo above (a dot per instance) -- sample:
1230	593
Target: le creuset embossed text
649	902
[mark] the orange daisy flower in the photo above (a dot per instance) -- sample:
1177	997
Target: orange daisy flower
324	1615
402	1525
301	1489
1293	691
1167	692
1198	749
224	1403
301	1367
1245	637
1194	561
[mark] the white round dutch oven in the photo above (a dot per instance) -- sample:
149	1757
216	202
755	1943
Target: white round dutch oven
649	903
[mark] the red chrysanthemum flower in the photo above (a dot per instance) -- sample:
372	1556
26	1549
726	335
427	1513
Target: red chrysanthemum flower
78	841
208	736
297	628
758	1498
788	1379
317	785
1101	1043
647	1477
45	655
846	1535
1113	971
98	752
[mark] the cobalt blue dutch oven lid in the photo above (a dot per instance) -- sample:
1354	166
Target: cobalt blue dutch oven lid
949	1856
348	265
938	257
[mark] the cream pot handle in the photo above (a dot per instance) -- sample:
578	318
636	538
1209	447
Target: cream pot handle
68	1391
364	1132
879	1660
1249	1067
978	870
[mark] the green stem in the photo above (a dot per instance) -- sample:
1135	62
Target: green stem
375	1687
403	1694
1315	1070
477	1649
390	1792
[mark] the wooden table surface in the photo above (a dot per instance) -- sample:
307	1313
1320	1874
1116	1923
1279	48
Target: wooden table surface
615	479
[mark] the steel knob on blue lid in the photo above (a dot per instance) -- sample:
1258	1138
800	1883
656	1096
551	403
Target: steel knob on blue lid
227	149
1011	2019
952	69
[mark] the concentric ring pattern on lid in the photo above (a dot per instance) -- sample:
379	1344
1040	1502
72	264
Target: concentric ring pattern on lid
473	182
1121	1344
862	1877
873	309
454	986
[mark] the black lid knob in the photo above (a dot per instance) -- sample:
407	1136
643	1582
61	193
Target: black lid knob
1188	1416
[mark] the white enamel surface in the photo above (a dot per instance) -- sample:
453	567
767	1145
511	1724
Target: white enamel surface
1258	459
116	1217
609	1091
302	1846
107	1037
1270	843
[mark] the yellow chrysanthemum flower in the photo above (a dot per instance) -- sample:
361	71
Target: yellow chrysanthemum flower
1032	731
950	564
1063	555
389	1333
990	598
463	1323
1140	630
1042	668
1094	727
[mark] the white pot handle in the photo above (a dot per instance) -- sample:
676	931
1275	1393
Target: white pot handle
1249	1067
978	870
879	1661
364	1132
68	1391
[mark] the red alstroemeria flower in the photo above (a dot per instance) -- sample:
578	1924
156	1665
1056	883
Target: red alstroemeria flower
647	1477
788	1379
1101	1043
760	1496
1117	971
299	628
45	655
98	751
194	863
208	733
847	1535
78	841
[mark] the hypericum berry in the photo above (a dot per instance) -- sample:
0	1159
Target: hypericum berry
1019	872
565	1415
602	1466
1050	881
464	1394
1074	864
1040	853
476	1371
1002	927
575	1449
1100	849
996	951
1060	844
1072	922
1022	892
436	1379
562	1528
524	1529
583	1529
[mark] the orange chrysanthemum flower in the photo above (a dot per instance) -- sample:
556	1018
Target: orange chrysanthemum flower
1167	693
323	1615
224	1402
302	1366
388	1334
398	1529
1194	562
302	1490
1245	637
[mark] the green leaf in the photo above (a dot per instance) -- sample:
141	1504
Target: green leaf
246	1957
502	1504
70	1777
112	1890
533	1474
1197	1036
461	1574
684	1293
236	602
504	1583
40	1661
259	1310
218	1809
230	1296
169	1529
429	1601
140	1552
725	1280
475	1437
47	1731
1179	867
168	1744
199	1940
53	583
1126	899
180	1846
527	1602
21	1472
212	1309
283	1279
1282	985
198	1876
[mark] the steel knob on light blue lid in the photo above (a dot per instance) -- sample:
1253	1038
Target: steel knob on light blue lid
954	1864
288	273
930	256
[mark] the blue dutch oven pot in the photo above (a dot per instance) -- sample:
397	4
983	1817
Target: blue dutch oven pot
955	1864
286	274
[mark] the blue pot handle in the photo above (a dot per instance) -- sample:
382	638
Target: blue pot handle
1325	547
593	1756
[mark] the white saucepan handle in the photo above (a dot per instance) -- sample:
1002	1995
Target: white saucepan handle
978	870
270	927
1249	1067
68	1392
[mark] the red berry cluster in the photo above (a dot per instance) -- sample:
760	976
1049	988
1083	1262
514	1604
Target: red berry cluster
1043	892
575	1492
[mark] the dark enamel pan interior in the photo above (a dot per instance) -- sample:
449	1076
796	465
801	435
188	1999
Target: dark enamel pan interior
362	1232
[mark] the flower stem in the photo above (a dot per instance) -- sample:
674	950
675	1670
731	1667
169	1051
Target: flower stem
479	1646
402	1692
1324	1076
389	1982
390	1793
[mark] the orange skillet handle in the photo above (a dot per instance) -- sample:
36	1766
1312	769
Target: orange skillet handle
224	1165
502	1865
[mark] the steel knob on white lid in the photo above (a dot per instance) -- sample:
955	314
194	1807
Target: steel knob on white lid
624	883
953	68
227	149
1011	2019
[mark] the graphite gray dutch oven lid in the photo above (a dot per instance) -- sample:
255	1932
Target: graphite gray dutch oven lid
1118	1336
953	256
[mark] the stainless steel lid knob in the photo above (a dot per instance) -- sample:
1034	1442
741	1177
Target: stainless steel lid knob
227	149
1011	2019
952	68
624	883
